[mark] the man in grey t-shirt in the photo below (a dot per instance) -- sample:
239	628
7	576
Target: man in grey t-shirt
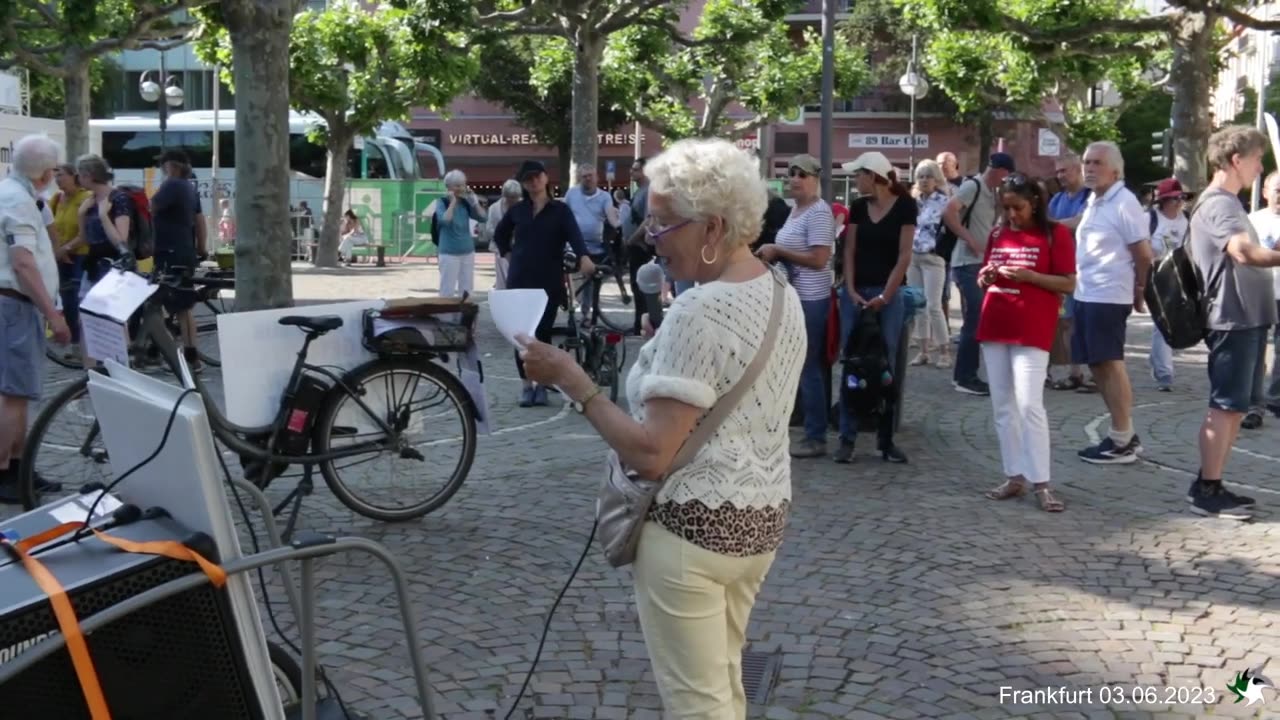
1241	306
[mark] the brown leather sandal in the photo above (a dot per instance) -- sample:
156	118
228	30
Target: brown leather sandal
1048	501
1010	489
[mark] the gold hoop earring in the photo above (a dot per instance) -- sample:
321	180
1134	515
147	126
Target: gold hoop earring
703	256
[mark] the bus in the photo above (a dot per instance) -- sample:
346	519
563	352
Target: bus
130	146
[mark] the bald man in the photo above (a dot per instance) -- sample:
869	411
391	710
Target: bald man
950	168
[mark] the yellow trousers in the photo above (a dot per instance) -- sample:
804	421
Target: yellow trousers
694	605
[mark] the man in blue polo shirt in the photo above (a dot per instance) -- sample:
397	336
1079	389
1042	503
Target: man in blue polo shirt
1067	207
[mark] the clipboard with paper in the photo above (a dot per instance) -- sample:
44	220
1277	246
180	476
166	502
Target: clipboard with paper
105	313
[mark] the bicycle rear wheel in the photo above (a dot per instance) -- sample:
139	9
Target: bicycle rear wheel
423	464
64	445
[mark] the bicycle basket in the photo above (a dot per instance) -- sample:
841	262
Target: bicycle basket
417	326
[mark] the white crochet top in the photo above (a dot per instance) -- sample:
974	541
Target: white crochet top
707	338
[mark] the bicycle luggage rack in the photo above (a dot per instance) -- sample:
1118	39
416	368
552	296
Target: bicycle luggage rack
304	550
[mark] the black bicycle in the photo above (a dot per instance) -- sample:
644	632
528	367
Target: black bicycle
613	265
397	408
602	353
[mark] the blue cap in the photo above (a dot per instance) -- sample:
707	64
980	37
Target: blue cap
1002	161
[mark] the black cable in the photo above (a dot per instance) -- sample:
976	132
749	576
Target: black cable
164	440
262	585
546	626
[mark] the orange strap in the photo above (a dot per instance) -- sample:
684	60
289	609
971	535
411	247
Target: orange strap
65	614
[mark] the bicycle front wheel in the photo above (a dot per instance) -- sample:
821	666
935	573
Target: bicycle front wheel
64	446
426	457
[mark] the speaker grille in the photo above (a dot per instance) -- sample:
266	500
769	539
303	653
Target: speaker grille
178	658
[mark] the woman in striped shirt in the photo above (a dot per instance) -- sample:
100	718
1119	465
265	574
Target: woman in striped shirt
804	245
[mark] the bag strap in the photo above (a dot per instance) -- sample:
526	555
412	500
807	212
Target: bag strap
727	402
977	195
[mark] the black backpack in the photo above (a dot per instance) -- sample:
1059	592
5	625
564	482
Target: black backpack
947	240
1175	297
867	374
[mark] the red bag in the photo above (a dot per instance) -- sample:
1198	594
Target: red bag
833	330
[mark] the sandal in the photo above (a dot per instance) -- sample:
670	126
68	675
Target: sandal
1071	382
1049	502
1010	489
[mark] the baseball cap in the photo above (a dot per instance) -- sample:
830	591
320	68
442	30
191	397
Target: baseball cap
530	167
174	156
1002	161
1169	188
874	162
808	163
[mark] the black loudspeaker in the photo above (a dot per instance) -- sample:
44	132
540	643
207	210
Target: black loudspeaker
176	659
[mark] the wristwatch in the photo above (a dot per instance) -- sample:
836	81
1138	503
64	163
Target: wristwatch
581	405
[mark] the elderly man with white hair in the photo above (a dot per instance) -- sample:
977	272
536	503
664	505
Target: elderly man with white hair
452	215
511	194
1113	255
28	284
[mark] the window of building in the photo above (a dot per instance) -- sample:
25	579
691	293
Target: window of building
791	143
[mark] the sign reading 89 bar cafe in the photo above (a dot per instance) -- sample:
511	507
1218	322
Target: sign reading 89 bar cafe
504	139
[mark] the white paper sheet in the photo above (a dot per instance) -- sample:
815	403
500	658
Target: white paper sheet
517	312
117	295
258	354
1273	132
104	338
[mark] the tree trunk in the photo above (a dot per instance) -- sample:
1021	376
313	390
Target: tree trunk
260	62
586	102
338	142
76	87
1192	75
562	153
986	137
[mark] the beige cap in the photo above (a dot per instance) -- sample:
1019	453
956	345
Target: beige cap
807	163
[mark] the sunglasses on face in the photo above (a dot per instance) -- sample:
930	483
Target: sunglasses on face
797	172
1016	181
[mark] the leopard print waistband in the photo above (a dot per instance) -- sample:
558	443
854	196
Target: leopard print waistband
727	530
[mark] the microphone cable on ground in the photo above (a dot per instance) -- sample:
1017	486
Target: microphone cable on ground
546	626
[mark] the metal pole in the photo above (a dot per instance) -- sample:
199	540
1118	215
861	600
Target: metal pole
1264	77
164	102
828	91
911	153
213	214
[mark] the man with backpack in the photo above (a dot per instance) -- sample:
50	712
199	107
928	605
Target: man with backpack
969	217
1239	305
1168	225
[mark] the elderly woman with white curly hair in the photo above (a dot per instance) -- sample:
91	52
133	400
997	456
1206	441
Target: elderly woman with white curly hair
716	522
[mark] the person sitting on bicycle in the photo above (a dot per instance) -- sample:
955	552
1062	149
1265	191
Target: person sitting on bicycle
592	208
531	236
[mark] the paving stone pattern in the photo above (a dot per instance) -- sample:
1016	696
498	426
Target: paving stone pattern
900	592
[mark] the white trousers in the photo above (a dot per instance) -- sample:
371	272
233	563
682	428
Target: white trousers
457	274
350	241
500	266
1016	374
929	272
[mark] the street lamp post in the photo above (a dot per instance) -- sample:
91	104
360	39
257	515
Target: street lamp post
165	93
914	86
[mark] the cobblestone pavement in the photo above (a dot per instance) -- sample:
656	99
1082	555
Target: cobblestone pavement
900	591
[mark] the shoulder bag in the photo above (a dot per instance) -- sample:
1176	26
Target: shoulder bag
624	500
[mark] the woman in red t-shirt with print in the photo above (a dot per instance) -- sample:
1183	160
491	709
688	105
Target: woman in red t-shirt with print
1030	264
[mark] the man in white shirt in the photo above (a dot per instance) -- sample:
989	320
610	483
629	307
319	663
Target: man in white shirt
1168	223
1113	256
1266	222
28	284
592	208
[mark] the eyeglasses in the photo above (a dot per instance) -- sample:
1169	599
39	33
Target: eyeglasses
1017	181
797	172
657	232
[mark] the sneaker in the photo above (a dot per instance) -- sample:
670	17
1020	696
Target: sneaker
1164	388
1274	409
540	396
920	359
943	362
844	453
893	455
1213	501
1107	453
808	449
972	387
526	397
1252	420
1197	486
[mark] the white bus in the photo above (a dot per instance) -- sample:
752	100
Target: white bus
130	146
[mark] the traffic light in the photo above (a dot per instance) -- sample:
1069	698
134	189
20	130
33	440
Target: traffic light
1162	148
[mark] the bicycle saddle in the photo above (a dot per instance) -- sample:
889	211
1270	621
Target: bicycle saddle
319	323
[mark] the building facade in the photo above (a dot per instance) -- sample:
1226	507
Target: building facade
1248	62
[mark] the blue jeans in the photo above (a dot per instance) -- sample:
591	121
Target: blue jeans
69	275
892	317
813	391
968	353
